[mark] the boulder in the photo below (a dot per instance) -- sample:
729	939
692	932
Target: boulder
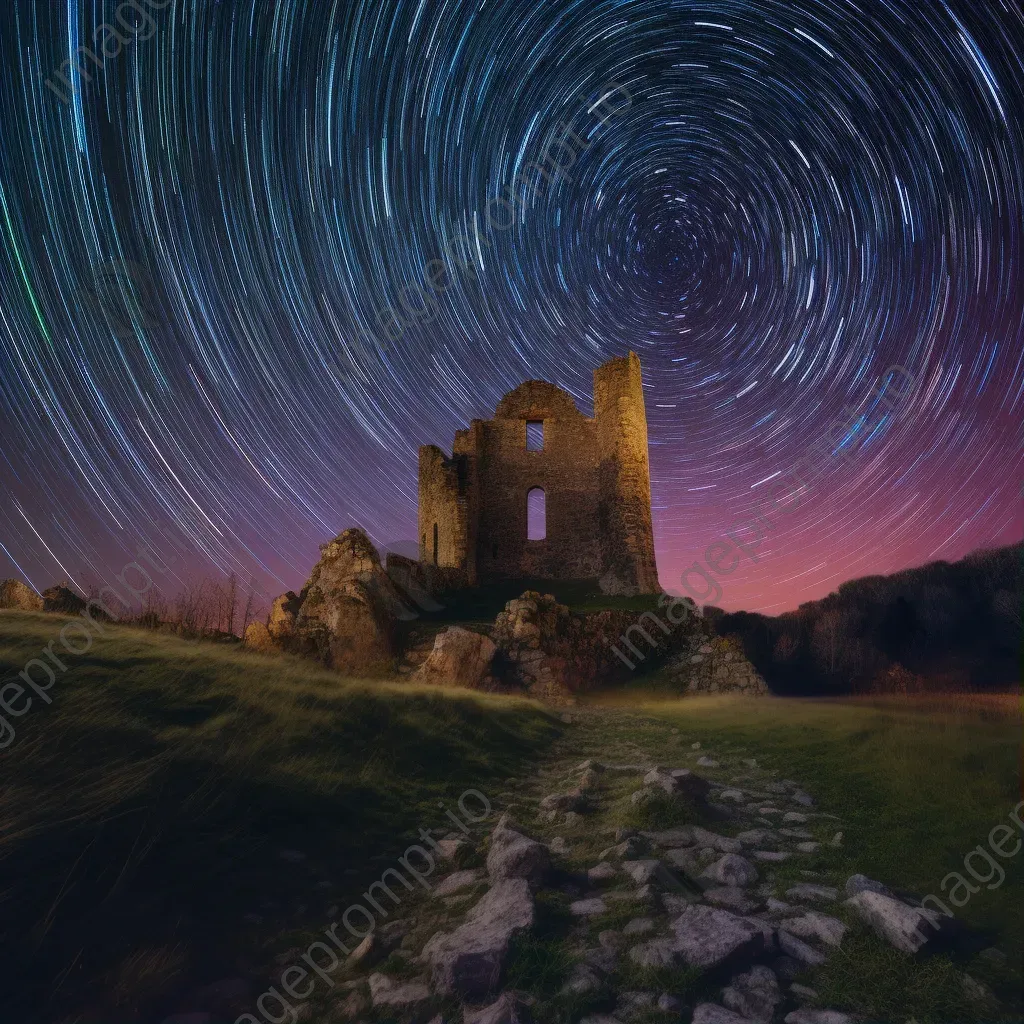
14	594
707	937
907	928
732	870
257	638
508	1008
459	657
468	961
754	995
348	608
514	855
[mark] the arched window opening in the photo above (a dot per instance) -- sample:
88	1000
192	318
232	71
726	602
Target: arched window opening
536	514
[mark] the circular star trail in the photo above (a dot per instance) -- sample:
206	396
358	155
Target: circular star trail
204	232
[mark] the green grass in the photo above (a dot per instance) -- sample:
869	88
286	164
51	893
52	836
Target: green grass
145	810
918	784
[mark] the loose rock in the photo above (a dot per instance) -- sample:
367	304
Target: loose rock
906	928
754	995
732	870
514	855
706	936
468	961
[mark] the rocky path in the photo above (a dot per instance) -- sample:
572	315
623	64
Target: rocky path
636	877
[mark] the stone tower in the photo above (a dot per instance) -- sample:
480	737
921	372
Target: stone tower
588	478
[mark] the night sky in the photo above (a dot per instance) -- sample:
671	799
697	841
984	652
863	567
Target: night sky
771	203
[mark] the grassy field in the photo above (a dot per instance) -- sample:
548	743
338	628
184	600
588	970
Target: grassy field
918	785
185	812
144	813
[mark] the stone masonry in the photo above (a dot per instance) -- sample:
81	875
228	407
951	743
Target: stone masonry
594	473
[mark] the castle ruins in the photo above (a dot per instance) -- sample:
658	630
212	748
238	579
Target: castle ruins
586	480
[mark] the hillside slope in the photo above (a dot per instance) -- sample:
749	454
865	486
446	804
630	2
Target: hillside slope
179	800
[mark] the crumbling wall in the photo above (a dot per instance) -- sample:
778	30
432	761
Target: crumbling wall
565	469
443	508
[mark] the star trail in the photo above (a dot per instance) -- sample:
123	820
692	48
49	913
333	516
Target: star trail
204	231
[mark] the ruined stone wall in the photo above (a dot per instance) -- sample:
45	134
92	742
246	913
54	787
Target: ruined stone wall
626	529
443	508
566	470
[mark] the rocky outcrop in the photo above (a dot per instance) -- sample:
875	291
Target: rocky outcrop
552	652
713	664
346	615
283	613
14	594
459	657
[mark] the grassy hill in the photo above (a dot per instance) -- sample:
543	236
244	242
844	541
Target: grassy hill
183	812
144	813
